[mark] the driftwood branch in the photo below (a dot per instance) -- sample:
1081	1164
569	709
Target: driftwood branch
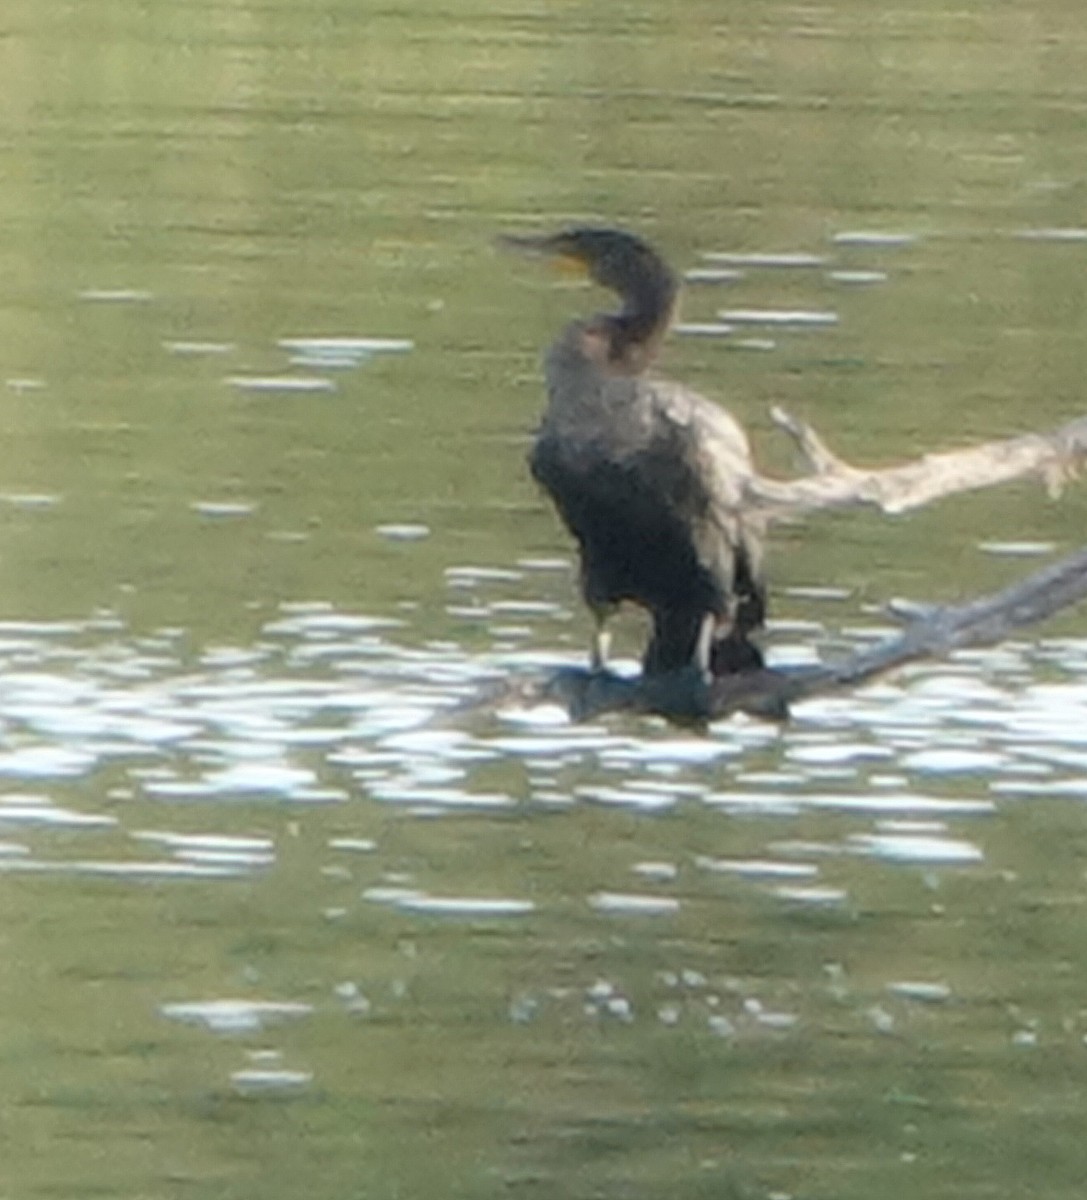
685	697
830	482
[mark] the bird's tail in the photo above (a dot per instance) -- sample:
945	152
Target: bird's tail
674	642
748	589
734	652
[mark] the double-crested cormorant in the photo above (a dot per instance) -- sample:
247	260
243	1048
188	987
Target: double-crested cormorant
647	475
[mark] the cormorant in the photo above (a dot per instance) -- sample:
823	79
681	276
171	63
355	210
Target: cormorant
647	475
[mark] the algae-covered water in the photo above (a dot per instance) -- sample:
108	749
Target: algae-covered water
276	919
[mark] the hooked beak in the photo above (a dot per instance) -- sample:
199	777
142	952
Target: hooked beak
537	244
545	245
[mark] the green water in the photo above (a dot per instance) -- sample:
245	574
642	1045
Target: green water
231	174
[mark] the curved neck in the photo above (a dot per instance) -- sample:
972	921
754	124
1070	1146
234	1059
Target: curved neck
649	297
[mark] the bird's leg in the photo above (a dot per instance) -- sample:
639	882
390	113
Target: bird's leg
598	648
703	648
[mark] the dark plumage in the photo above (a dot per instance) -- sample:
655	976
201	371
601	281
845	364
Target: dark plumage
647	475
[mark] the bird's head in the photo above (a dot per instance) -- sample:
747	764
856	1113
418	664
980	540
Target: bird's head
625	264
613	258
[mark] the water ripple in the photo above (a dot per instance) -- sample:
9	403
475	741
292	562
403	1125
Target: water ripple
333	708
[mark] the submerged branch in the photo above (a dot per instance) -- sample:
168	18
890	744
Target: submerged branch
686	698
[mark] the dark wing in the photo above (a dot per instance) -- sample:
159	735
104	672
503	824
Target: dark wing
725	540
650	478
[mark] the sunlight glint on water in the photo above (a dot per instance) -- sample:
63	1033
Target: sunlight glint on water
280	917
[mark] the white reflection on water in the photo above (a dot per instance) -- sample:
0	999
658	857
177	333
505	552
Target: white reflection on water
154	871
234	1016
213	849
916	848
335	708
819	897
281	383
19	809
757	868
925	993
256	1082
633	904
469	907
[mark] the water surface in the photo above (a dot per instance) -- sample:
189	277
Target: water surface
279	917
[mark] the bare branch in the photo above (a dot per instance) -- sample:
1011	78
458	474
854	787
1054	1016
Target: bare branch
833	483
